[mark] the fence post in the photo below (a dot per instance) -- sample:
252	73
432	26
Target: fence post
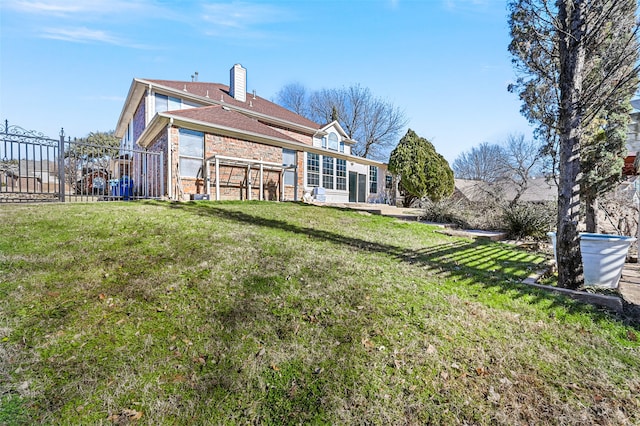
61	176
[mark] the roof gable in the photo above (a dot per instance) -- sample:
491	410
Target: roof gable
334	125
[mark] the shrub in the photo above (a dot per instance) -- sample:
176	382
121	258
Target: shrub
529	219
445	211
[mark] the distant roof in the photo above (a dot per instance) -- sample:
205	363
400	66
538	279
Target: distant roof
220	92
538	190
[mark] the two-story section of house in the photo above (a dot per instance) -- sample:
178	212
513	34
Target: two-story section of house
230	144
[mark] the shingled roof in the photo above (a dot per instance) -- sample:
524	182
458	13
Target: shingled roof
220	92
218	115
538	190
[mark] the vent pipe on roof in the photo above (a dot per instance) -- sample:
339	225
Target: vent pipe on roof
238	84
254	93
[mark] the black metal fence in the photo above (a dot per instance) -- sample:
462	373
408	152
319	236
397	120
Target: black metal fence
36	168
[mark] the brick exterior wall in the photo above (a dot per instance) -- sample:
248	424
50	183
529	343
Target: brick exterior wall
305	139
233	179
139	119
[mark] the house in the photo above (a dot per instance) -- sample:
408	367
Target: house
218	140
633	140
539	190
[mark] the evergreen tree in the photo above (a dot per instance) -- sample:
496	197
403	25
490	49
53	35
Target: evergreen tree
422	171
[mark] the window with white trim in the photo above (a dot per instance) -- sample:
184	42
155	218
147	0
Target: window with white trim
341	174
373	179
289	159
333	142
313	169
191	151
327	172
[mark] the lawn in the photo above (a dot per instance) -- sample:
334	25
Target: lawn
283	313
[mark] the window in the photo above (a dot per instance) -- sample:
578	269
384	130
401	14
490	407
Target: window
327	172
162	103
341	146
324	141
373	179
313	169
174	104
388	181
333	141
191	152
341	174
289	159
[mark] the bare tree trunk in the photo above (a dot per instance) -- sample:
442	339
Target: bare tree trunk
572	59
591	213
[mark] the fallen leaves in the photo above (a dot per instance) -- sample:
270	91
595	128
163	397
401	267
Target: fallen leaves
367	343
124	416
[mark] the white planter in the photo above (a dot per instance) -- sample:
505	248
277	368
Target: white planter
603	257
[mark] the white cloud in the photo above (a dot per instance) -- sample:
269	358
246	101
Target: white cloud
70	8
242	19
86	35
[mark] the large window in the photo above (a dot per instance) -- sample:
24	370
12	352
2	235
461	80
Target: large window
327	172
162	103
341	174
289	159
313	169
373	179
191	153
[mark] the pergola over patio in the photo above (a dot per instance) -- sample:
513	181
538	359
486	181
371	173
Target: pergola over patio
249	165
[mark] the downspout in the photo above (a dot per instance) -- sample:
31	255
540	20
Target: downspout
169	160
148	114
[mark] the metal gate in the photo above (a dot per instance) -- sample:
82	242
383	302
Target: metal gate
36	168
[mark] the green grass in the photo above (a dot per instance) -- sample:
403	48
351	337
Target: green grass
282	313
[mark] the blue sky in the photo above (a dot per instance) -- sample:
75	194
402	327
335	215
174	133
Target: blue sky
443	62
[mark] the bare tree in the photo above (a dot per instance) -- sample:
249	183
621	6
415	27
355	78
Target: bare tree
482	162
520	162
514	162
374	123
294	97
